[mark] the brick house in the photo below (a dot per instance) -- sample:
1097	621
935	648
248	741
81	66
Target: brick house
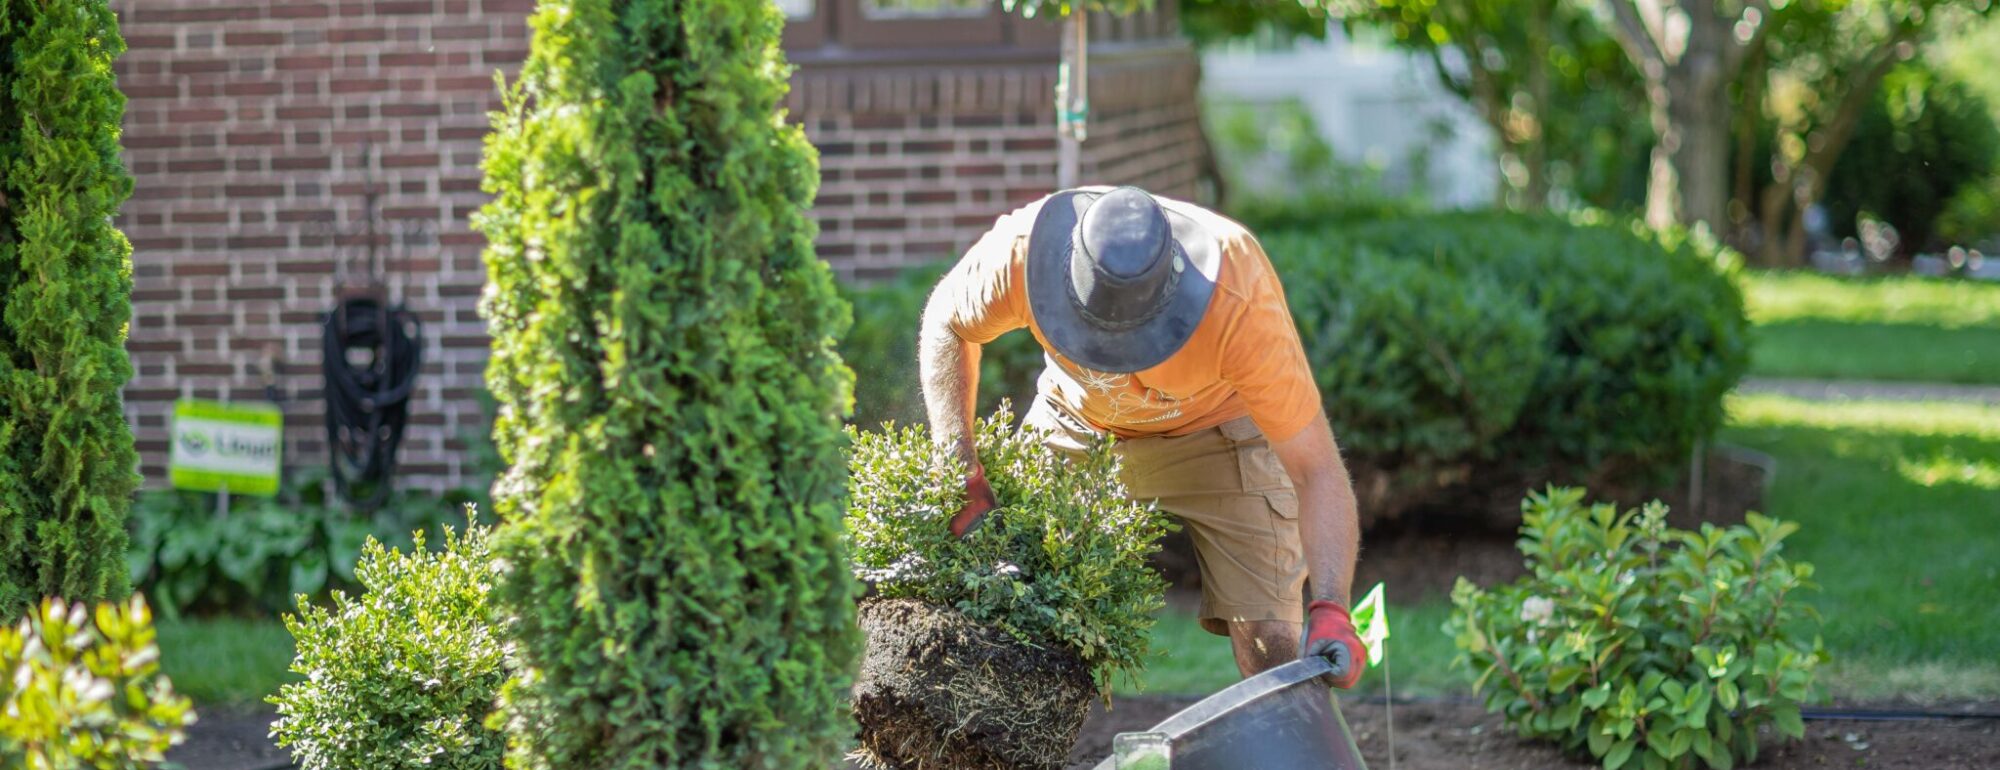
257	130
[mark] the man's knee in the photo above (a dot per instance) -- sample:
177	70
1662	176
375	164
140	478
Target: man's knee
1263	644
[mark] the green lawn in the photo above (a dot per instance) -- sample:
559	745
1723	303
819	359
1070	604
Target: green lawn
1892	328
227	660
1901	511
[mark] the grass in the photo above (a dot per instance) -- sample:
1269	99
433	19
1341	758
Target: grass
1899	505
1889	328
1195	662
225	661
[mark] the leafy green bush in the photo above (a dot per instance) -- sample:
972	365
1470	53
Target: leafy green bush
1644	333
1648	646
1062	561
404	675
669	399
1418	367
1926	138
882	347
82	689
266	551
67	466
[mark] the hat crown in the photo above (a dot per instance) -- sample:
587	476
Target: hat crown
1125	234
1121	270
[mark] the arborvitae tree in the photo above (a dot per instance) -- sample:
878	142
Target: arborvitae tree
67	467
669	399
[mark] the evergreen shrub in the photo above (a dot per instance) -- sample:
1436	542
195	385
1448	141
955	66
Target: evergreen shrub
81	688
67	465
1646	646
1061	563
404	675
669	399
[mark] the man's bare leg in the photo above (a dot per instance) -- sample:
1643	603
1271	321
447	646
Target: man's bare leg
1261	645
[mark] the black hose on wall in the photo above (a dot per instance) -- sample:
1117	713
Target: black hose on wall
372	353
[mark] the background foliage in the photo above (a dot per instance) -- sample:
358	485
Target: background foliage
669	398
404	675
82	689
1062	561
1923	139
265	551
882	348
1513	342
1648	646
67	466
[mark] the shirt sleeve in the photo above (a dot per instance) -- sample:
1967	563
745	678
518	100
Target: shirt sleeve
1264	361
987	289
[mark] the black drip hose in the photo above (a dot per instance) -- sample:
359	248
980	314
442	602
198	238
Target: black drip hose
368	401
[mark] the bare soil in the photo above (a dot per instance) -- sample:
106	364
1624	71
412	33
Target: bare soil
1450	735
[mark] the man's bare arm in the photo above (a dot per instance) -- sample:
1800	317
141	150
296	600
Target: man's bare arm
949	368
1329	524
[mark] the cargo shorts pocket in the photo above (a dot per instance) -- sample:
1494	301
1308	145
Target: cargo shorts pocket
1259	465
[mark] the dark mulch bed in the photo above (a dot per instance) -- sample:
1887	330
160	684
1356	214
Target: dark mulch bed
230	738
1461	736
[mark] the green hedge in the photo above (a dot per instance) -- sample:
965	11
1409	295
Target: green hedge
67	466
669	399
1644	333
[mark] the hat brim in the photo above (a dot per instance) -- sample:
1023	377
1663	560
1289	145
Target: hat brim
1051	243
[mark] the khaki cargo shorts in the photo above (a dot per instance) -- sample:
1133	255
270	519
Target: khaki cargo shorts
1232	497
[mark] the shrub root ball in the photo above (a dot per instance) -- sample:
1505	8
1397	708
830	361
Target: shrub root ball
940	692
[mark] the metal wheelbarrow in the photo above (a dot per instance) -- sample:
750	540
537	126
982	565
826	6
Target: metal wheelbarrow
1282	719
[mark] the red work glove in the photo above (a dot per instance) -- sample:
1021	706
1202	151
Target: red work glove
1330	634
978	500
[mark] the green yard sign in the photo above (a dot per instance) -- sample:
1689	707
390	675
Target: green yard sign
226	447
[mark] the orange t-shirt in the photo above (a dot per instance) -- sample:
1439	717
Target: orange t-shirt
1244	358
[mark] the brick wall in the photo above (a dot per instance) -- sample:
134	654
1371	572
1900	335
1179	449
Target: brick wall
255	128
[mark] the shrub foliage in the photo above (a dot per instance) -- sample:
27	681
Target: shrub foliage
404	675
67	466
1647	646
669	398
82	689
1624	341
1062	561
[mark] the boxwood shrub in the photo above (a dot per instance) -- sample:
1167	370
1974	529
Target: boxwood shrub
403	675
669	399
1645	646
1062	561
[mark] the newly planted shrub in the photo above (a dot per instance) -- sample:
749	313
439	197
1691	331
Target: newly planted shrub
82	689
404	675
66	458
669	399
1647	646
982	651
1064	565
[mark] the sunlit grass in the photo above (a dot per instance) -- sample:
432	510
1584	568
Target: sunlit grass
225	660
1893	328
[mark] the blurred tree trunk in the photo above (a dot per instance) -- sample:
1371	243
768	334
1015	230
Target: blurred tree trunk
1796	185
1688	52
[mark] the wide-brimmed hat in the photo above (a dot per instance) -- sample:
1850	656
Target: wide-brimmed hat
1116	281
